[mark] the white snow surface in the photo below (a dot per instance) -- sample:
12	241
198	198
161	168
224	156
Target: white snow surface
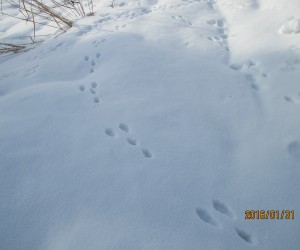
292	26
154	125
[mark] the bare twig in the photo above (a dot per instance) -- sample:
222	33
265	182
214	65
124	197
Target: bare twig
58	14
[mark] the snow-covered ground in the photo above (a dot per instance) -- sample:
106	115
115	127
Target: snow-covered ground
154	125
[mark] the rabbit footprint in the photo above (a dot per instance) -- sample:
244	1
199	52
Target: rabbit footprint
124	127
146	153
206	217
92	89
244	236
222	208
110	132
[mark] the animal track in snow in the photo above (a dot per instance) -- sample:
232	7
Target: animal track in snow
294	99
93	63
222	208
294	149
236	66
254	86
93	91
288	99
118	27
206	217
211	22
220	23
252	72
110	132
132	141
244	235
211	4
249	66
251	79
96	43
221	30
182	19
146	153
81	88
124	127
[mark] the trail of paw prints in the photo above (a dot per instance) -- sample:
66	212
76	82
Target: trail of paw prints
221	208
221	28
92	89
96	43
137	12
124	129
253	66
118	27
161	7
252	72
182	20
92	61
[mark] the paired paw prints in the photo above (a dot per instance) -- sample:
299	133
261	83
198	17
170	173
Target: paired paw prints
96	43
223	209
92	62
252	71
117	27
221	29
130	140
182	20
92	89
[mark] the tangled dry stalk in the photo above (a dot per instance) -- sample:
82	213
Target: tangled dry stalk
58	14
